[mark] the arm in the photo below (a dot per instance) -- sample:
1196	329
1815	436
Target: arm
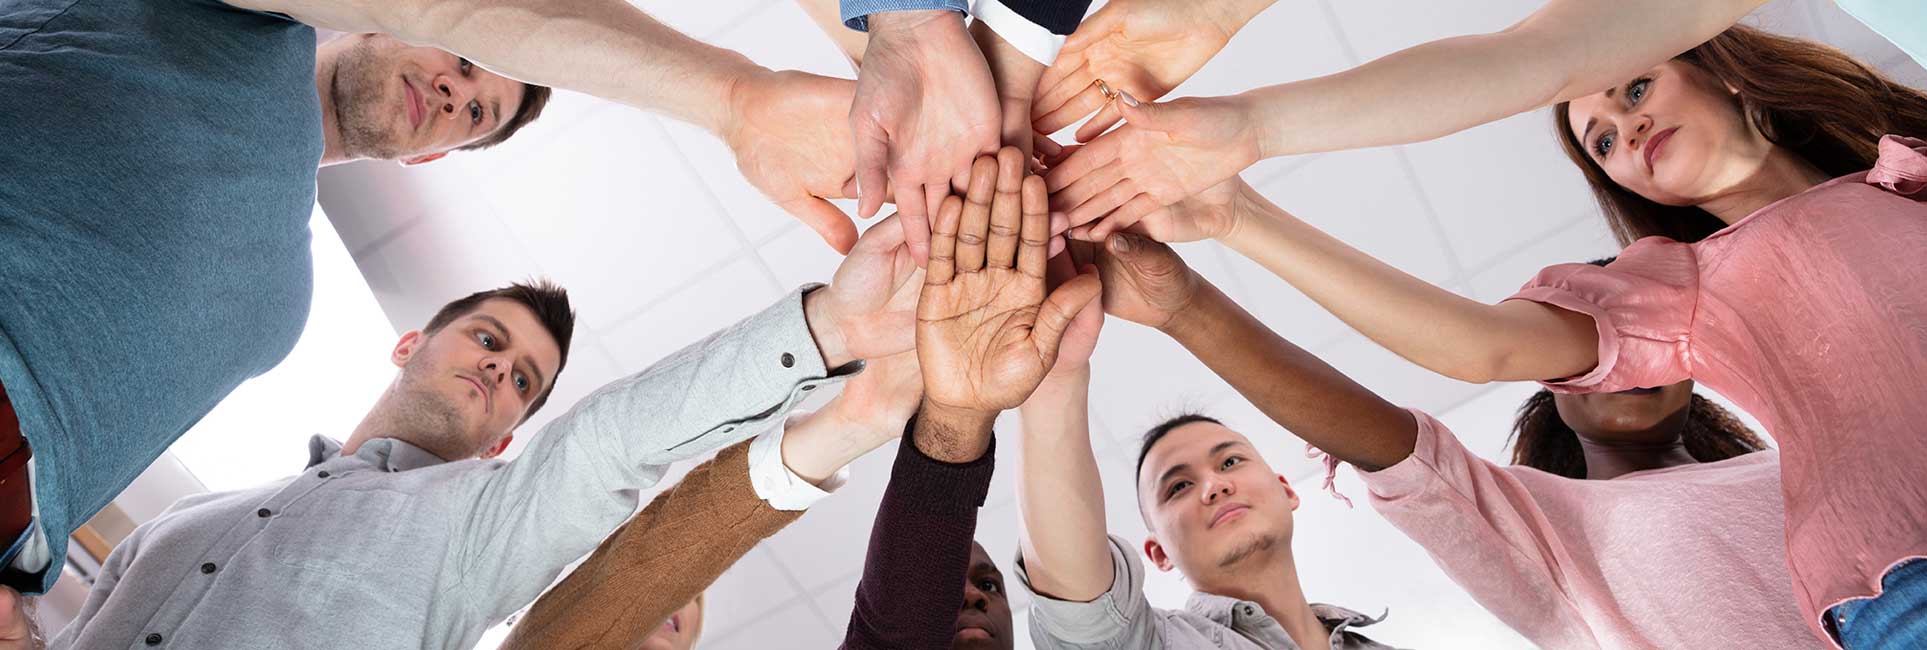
1060	495
18	629
828	17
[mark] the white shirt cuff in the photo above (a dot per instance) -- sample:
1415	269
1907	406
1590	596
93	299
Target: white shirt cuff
775	483
1028	37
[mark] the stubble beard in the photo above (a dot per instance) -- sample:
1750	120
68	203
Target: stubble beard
1259	543
429	420
360	117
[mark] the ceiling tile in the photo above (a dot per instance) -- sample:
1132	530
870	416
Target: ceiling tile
1366	198
716	299
747	592
460	248
1500	185
793	626
1578	240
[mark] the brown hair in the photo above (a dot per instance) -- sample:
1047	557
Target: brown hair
1810	98
534	98
549	302
1542	440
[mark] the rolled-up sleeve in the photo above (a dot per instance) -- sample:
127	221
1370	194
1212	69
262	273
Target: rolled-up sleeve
1643	305
1121	618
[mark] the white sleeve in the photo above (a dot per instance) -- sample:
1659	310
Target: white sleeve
1028	37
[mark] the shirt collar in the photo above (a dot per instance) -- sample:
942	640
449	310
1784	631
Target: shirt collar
385	454
1244	615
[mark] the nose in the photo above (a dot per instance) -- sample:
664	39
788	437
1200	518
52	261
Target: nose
1214	489
974	598
496	369
1641	127
454	93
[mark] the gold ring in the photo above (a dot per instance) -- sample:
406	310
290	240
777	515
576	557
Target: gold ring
1106	90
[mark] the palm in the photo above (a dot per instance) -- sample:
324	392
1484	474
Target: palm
873	294
976	330
793	144
1153	49
1206	145
1205	215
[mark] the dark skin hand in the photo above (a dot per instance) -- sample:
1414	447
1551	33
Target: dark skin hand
1146	282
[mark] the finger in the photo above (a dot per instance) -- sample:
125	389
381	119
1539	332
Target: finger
1059	268
1094	29
883	236
1056	246
934	194
1090	185
1105	118
1103	203
1125	216
943	244
916	220
1084	160
1033	250
1081	233
1006	210
1059	224
831	224
1069	75
1059	309
872	157
1085	102
976	215
1045	147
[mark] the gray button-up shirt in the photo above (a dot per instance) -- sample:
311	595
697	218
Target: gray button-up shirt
393	548
1122	619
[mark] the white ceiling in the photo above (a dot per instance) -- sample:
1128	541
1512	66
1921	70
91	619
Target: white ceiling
660	241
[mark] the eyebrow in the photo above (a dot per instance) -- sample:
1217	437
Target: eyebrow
1182	466
535	371
495	109
1586	133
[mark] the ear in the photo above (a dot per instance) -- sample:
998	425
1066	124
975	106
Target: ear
1290	494
423	159
411	341
500	446
1155	551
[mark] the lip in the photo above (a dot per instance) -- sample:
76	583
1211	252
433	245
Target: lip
674	623
1636	391
488	399
417	107
1653	146
974	631
1233	510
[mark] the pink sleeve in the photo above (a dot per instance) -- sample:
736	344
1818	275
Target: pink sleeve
1643	305
1485	530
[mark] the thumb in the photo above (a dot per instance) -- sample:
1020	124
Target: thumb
1143	115
829	222
1059	309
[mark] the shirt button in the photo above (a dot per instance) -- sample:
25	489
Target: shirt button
789	360
208	568
809	387
264	513
153	639
322	474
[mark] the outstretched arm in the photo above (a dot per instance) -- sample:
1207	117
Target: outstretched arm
1064	539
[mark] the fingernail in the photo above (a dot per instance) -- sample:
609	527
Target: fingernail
1121	244
1128	99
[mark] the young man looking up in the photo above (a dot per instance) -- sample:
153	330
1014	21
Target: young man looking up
157	175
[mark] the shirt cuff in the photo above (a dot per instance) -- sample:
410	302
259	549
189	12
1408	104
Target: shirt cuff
856	13
1028	37
775	483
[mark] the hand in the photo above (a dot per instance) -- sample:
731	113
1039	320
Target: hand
17	628
883	396
1146	47
1080	339
986	331
793	143
869	309
1167	152
1145	282
924	107
1210	214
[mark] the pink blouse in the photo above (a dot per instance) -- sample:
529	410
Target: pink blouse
1812	315
1681	557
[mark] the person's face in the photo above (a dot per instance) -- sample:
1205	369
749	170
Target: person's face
1674	135
679	632
1640	415
984	621
464	388
398	102
1212	502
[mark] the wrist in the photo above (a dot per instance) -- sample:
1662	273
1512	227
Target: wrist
1244	213
884	24
741	85
953	434
1063	379
1188	323
1232	15
824	328
1260	133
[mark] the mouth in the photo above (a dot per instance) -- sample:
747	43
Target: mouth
417	108
1229	513
1654	145
488	399
974	632
1637	391
674	624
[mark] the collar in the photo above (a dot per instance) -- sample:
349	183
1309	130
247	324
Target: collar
1243	614
385	454
1901	167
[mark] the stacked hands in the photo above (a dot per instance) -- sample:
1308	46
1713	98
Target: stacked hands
933	95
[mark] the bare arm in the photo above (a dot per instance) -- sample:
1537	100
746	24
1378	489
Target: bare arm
828	17
1567	49
1442	331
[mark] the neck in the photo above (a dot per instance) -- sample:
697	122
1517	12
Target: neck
324	85
1781	174
1272	583
1605	460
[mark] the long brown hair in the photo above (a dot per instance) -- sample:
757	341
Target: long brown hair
1810	98
1542	440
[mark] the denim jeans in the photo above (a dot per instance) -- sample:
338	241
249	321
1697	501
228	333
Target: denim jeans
1894	620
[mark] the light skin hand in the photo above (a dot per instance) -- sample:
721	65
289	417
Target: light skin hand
17	628
987	331
871	410
869	309
1145	47
925	106
1165	153
792	143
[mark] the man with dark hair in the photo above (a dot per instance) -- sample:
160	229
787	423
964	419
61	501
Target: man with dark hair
412	529
157	177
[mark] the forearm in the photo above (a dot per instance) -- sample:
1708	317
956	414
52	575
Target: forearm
1015	75
1294	388
1567	49
1440	330
824	442
1060	494
827	16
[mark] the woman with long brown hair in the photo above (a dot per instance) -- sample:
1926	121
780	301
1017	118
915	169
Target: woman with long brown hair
1797	294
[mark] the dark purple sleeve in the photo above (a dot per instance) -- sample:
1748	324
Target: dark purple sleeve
1059	16
913	576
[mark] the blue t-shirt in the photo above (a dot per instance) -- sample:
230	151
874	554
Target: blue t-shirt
157	173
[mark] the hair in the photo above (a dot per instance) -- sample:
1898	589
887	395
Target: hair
1543	441
1164	428
549	302
534	98
1812	99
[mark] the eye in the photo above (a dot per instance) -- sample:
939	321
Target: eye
521	383
989	586
1230	462
1175	488
474	112
464	66
1604	145
486	339
1636	90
